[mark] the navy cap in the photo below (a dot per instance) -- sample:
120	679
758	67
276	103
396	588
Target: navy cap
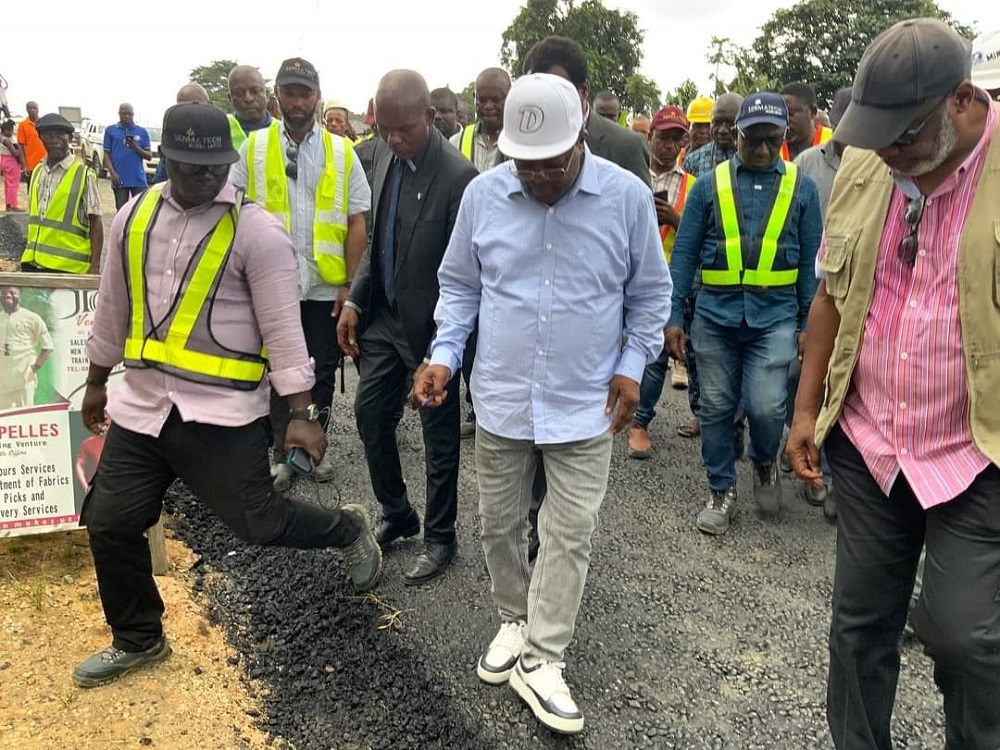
297	70
196	133
762	108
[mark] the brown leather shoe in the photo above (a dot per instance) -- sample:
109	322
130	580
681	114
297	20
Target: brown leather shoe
639	445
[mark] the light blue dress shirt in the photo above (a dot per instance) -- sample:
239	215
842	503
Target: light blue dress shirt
567	296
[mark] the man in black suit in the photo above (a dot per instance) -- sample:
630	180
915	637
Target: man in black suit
564	57
388	322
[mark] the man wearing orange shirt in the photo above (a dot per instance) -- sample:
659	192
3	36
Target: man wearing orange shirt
803	130
29	140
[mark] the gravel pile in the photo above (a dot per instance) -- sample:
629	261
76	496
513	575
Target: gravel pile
683	641
12	240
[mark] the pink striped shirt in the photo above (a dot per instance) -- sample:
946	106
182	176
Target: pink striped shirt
908	410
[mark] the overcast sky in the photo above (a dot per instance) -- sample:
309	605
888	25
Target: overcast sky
142	54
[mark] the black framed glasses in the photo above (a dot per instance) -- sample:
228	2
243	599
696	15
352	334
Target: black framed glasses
292	167
773	142
550	174
908	245
909	137
192	169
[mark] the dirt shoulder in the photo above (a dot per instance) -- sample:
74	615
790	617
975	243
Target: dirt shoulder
51	618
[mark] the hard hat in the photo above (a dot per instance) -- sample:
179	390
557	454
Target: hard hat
700	110
986	60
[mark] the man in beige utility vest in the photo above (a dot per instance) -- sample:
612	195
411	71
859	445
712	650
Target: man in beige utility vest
65	233
905	332
313	182
195	302
667	137
753	225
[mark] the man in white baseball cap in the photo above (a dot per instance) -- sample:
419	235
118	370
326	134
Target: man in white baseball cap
558	256
986	63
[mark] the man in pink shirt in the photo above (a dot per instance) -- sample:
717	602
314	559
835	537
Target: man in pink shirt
198	296
905	332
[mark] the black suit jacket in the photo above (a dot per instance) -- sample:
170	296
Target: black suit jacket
624	147
428	205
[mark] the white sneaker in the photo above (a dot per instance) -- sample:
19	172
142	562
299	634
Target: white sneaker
542	687
281	476
324	470
498	662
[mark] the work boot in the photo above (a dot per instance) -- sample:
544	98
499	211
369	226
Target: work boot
112	663
363	555
767	488
639	445
718	512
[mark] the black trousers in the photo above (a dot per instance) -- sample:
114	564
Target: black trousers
957	617
122	195
385	368
320	332
226	468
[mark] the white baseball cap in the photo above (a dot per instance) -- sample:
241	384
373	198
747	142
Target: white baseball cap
986	60
542	118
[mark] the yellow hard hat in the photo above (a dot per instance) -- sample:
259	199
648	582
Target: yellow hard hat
700	110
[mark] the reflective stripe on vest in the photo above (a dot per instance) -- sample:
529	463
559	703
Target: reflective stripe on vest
821	135
182	343
728	221
59	240
467	144
668	233
236	132
267	184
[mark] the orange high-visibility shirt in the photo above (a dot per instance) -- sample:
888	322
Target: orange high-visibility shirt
34	149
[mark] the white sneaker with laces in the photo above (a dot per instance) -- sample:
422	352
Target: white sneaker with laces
545	691
496	664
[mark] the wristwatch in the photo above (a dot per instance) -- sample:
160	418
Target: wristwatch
310	413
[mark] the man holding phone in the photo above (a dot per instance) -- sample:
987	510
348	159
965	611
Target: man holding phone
126	147
668	135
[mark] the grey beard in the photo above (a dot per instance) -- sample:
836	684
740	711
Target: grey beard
944	146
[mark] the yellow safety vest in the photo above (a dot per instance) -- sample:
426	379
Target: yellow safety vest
728	268
667	233
467	143
268	185
182	343
59	240
236	131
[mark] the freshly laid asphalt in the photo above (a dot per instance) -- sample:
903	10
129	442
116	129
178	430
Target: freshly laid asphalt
683	640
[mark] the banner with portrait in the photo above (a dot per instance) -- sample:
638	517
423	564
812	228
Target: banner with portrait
47	456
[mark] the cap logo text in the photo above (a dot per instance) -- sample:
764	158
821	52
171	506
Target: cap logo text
532	118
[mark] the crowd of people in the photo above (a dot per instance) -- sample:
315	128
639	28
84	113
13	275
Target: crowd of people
821	281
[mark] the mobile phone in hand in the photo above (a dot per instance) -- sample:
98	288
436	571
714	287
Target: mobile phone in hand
300	462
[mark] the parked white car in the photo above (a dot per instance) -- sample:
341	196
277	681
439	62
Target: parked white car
154	146
92	145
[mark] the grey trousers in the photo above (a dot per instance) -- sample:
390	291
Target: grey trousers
547	597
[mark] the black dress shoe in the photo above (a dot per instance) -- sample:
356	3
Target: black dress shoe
430	563
390	530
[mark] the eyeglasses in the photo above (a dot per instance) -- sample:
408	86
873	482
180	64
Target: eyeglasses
773	142
907	250
292	167
551	174
909	137
192	169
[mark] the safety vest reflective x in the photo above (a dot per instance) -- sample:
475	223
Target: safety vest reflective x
762	267
668	233
59	240
467	144
267	184
182	343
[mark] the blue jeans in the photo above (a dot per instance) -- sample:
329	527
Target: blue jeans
651	389
747	366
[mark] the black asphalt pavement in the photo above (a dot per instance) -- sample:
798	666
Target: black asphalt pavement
683	640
